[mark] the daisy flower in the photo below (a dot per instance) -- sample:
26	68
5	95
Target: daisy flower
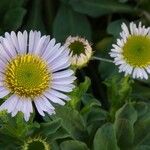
33	69
34	143
80	51
132	51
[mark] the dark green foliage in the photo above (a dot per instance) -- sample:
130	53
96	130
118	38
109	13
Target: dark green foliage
107	111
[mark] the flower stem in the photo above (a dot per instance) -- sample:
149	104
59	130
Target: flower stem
102	59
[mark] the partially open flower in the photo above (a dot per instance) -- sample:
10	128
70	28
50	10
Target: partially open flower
80	51
36	144
132	51
33	69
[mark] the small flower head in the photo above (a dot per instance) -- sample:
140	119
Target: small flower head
33	69
35	144
80	51
132	51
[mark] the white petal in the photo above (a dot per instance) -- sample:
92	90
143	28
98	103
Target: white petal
13	100
59	94
22	42
52	52
17	108
26	108
63	74
148	69
58	53
144	74
48	49
63	88
9	104
38	106
135	73
9	44
59	62
45	44
15	40
37	38
54	99
60	66
3	92
64	81
45	105
39	48
4	55
125	28
31	41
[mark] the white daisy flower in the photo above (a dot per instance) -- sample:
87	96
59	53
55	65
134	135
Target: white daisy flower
132	51
80	51
33	69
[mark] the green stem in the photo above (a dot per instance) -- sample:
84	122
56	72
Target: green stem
102	59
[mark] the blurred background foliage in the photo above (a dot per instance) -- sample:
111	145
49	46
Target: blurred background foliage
107	111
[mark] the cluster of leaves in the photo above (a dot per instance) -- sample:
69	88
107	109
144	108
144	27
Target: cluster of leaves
119	117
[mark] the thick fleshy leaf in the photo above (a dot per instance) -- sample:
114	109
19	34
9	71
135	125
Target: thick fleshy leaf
72	122
118	91
34	20
77	94
142	125
124	125
97	8
73	145
69	22
13	18
105	138
114	28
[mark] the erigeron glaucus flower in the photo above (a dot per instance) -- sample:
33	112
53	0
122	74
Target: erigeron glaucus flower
36	143
33	69
132	51
80	51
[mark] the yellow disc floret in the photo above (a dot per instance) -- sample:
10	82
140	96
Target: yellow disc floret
27	76
136	51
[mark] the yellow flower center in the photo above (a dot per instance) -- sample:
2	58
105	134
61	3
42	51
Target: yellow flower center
136	51
27	76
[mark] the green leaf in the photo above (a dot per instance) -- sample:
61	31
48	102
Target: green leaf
15	127
96	115
97	8
124	125
89	102
114	28
7	142
16	3
105	138
104	44
69	22
118	89
142	147
111	70
92	111
13	18
50	127
77	94
53	130
61	133
72	122
141	127
49	14
73	145
34	19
